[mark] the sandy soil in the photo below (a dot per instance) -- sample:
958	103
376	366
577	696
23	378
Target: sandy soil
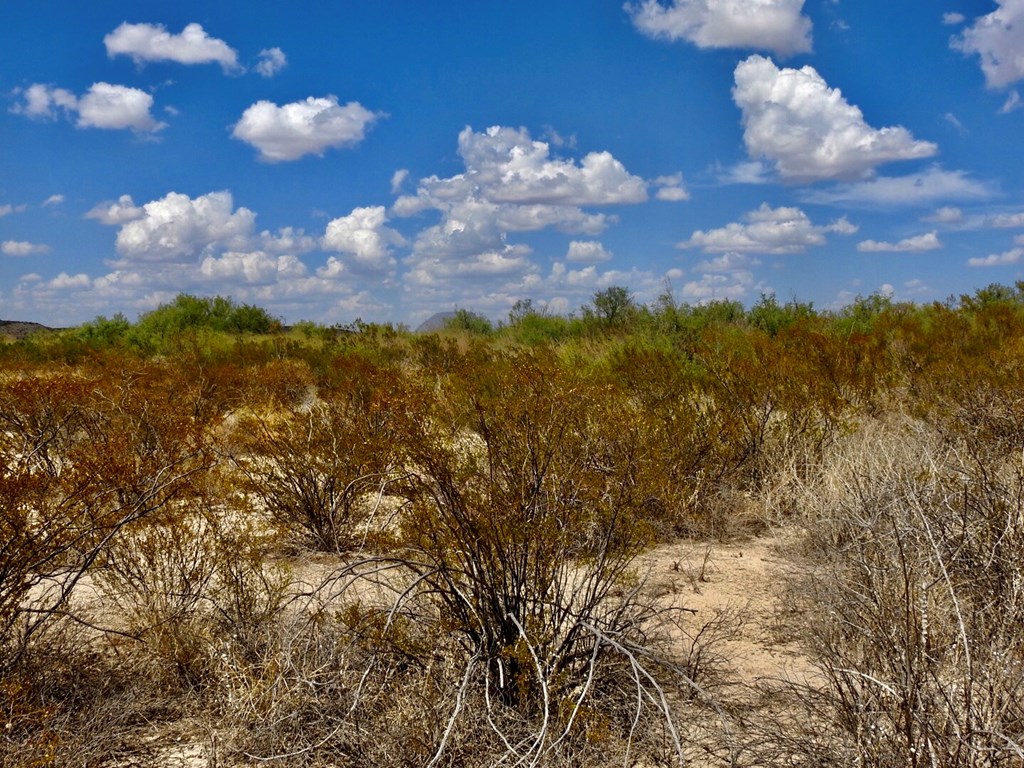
741	583
732	589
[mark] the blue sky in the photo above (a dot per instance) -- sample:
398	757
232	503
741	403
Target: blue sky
340	160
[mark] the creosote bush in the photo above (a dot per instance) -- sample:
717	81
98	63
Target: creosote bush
318	464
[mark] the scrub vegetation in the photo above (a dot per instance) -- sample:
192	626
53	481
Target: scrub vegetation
225	542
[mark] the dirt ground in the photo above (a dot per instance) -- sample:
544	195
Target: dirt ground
743	584
731	593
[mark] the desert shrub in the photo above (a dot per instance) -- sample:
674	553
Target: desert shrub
913	607
190	588
318	464
527	492
469	322
188	312
83	460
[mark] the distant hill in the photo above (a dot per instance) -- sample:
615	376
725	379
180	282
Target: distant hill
435	322
17	329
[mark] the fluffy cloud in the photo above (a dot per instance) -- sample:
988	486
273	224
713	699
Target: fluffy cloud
508	264
22	248
1006	258
998	39
504	165
946	215
767	230
178	228
53	200
253	268
272	61
926	242
728	262
301	128
64	281
715	286
107	106
589	251
752	172
116	107
774	25
44	101
398	180
287	240
7	210
115	213
809	131
203	244
511	183
926	188
362	235
1006	220
152	42
670	188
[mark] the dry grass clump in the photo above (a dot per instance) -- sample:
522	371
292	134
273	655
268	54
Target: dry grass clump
912	606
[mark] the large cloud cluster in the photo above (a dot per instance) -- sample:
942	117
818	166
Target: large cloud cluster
793	119
511	183
177	228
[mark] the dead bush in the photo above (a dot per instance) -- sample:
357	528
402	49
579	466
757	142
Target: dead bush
913	607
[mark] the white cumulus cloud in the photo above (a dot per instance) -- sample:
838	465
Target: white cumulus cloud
179	228
728	262
272	61
671	188
507	166
1006	258
773	25
64	281
308	127
117	107
511	183
252	268
793	119
947	214
152	42
112	107
364	237
22	248
998	39
1006	220
767	230
589	251
44	101
718	286
7	210
115	213
926	242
